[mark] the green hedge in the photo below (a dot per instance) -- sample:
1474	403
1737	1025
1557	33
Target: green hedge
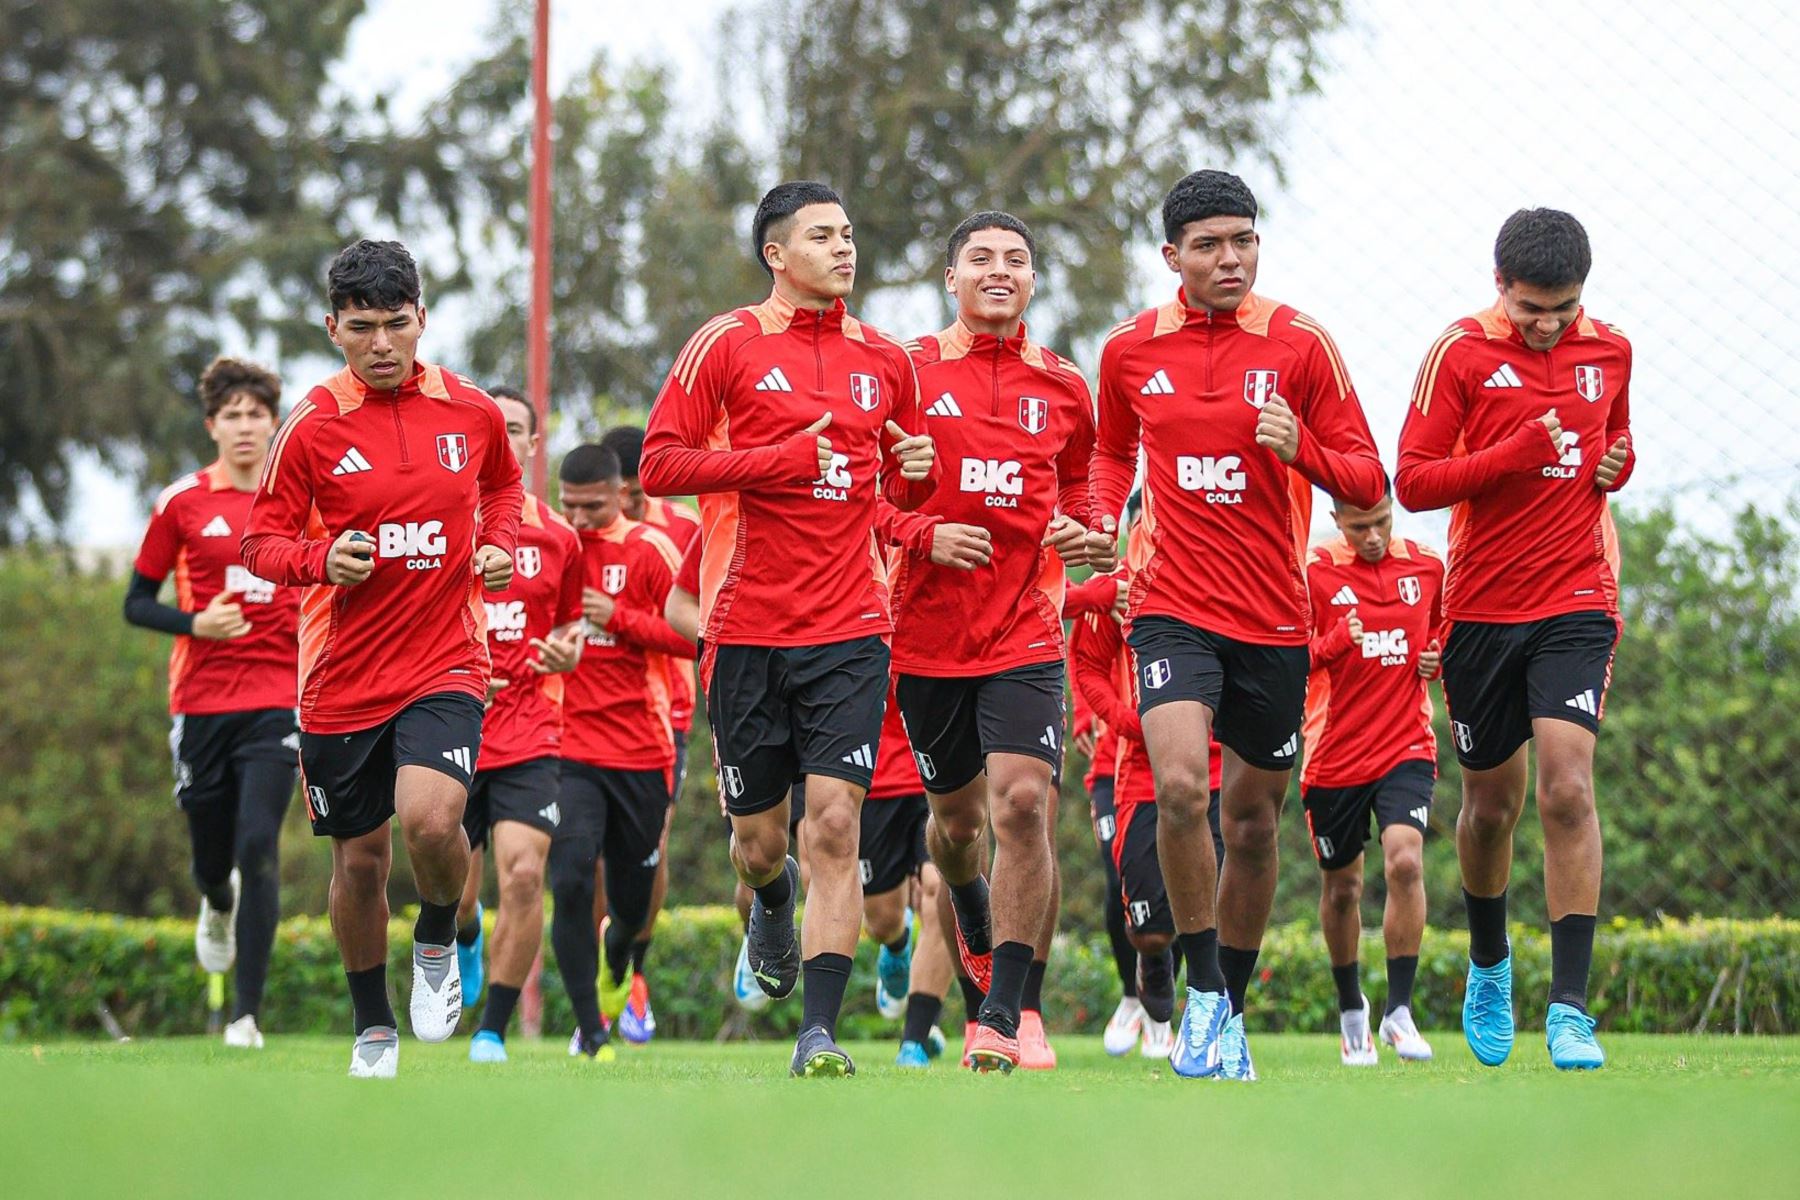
58	968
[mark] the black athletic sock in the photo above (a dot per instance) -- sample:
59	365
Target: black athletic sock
369	999
497	1013
969	901
1349	987
899	944
775	893
436	925
1237	966
640	948
263	798
1571	957
1000	1011
1032	998
1201	950
1487	928
466	935
922	1012
1124	953
618	950
1400	975
823	978
971	997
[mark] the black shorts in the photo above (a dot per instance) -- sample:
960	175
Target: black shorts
780	713
1106	822
954	724
1140	871
615	815
1257	693
680	780
1497	678
527	792
1337	819
349	777
210	750
891	848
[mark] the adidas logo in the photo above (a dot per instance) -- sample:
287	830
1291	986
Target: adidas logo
1504	377
1584	702
1289	747
862	757
1157	385
1422	815
217	527
774	381
944	406
1049	738
464	761
1344	596
552	813
351	463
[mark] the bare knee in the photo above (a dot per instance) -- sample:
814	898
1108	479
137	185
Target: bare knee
960	823
1404	869
434	826
760	852
1251	833
832	832
1343	892
1150	944
1019	810
1184	794
1566	800
360	871
522	881
1488	813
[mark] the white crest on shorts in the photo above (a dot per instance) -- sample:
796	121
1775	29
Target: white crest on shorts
1105	827
1157	674
1140	913
612	578
529	561
1465	739
315	798
867	870
1409	589
927	768
732	780
1324	846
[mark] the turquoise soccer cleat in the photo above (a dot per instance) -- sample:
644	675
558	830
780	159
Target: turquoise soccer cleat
487	1047
1570	1035
1488	1012
1197	1053
469	963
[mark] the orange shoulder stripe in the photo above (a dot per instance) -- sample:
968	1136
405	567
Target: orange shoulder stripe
687	363
301	412
1428	370
1303	322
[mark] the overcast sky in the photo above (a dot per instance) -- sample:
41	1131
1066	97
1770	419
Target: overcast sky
1672	139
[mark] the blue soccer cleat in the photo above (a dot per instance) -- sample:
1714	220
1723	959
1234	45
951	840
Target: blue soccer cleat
893	974
934	1043
744	988
1234	1052
487	1047
638	1021
1196	1052
468	963
1570	1034
912	1055
1488	1012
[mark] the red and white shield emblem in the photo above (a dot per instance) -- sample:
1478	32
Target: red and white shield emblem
1034	414
453	451
1409	589
1590	383
612	578
1258	387
528	561
865	390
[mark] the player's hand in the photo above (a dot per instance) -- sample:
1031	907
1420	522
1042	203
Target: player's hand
1066	536
557	655
597	607
1354	624
817	429
915	452
1122	600
1430	659
222	619
1103	546
351	560
1613	463
1278	429
963	546
494	565
1084	742
496	685
1554	428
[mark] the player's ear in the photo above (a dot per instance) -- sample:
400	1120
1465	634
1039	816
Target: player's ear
331	328
1172	257
421	318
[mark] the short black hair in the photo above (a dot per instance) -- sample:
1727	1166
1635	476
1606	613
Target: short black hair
988	219
779	206
1202	194
1543	247
507	392
627	442
378	275
589	463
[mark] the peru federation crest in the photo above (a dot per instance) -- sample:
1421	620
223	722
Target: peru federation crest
453	451
1259	386
1034	414
612	578
1590	383
528	561
865	390
1409	589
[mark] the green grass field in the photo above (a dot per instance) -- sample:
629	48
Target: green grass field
1669	1116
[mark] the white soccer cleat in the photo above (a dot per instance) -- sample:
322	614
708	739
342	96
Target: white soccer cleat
1398	1031
1358	1048
1124	1027
376	1054
242	1034
1159	1039
215	933
436	1004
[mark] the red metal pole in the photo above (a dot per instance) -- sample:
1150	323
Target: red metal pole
537	348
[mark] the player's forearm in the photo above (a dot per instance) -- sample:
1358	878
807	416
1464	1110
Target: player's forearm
911	530
647	631
285	560
1093	595
907	494
1426	479
1331	645
144	610
1109	483
500	513
676	470
1353	475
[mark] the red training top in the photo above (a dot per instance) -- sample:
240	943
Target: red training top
896	772
525	719
682	524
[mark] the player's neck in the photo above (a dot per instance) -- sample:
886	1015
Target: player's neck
804	301
244	479
1003	327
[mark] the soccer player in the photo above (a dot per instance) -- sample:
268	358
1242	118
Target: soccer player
1370	752
787	418
618	749
978	648
534	640
369	499
1242	406
231	685
1520	423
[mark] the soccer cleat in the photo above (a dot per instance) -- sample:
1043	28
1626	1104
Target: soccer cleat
774	950
615	994
1159	1039
1398	1031
242	1034
816	1056
487	1047
638	1021
1156	985
1035	1051
893	974
376	1054
1124	1027
1488	1012
469	962
978	967
215	932
968	1041
892	1008
1196	1051
1569	1032
991	1050
748	992
1234	1052
1357	1049
934	1042
913	1055
436	1004
600	1051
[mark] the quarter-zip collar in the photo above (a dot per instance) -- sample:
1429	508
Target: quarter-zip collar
789	315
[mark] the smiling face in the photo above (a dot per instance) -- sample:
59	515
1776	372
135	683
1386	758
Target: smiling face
1540	314
1216	259
812	255
380	345
241	429
992	281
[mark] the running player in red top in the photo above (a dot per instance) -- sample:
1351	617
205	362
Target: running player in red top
231	685
787	419
1242	405
534	640
1521	425
1370	752
370	498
